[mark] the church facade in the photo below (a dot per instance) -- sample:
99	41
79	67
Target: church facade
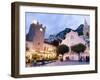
72	38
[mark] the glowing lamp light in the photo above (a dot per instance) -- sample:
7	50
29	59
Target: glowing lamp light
41	29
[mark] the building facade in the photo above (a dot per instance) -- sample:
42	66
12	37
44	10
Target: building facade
86	32
72	38
35	37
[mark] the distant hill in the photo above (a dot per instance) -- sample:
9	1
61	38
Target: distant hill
61	35
57	38
79	30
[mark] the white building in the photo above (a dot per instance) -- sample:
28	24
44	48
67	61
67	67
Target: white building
72	38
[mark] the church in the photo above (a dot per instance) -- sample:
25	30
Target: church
72	38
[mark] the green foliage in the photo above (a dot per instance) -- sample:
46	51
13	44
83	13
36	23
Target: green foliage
61	49
78	48
55	42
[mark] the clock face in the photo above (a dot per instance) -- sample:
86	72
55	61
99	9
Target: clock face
41	29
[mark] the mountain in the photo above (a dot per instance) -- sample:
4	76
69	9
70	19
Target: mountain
61	35
79	30
54	39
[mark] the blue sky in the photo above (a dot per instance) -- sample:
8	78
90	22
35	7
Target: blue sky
55	22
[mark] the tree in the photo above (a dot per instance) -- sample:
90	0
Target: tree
55	42
78	48
62	49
